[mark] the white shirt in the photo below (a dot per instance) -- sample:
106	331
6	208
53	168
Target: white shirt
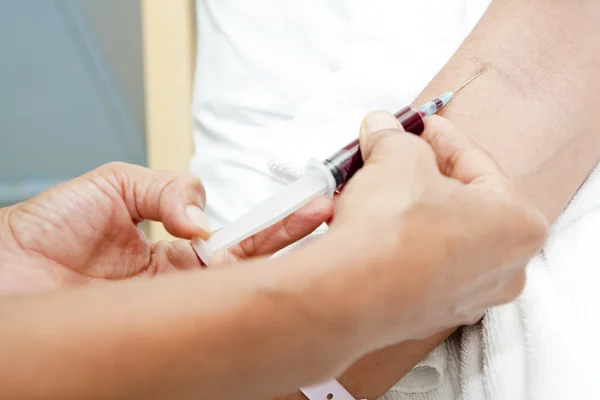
259	61
256	63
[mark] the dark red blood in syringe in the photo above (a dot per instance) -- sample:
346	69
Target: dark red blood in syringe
411	120
346	162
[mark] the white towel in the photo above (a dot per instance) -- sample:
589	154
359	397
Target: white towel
541	347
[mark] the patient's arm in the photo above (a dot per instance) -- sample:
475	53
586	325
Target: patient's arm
542	67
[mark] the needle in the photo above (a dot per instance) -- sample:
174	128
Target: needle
436	105
470	80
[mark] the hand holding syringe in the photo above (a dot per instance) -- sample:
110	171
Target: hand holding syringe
321	178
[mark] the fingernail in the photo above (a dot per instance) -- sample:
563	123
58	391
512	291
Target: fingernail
198	218
379	121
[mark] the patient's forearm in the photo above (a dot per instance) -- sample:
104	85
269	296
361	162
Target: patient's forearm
533	109
376	373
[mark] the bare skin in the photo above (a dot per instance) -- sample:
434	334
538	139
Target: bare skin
224	333
530	110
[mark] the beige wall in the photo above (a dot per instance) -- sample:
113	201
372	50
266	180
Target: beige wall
169	42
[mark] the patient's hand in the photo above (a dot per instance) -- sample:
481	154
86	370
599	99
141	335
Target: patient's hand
86	231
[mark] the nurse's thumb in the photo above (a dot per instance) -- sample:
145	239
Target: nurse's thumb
383	140
175	199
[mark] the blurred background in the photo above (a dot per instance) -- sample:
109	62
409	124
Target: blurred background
85	82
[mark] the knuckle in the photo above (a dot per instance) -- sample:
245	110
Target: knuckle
515	287
538	230
453	159
530	223
518	217
114	166
117	173
194	182
466	157
197	186
188	183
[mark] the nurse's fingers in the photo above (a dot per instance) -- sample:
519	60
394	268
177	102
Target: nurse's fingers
458	156
178	255
173	198
282	234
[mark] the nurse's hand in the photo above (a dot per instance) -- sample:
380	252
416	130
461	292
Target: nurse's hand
444	221
85	230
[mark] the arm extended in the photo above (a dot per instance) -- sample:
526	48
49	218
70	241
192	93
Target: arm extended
531	110
184	334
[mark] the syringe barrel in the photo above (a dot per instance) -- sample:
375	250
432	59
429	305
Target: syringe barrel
412	120
347	161
344	164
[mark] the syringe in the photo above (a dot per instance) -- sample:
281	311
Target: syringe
321	178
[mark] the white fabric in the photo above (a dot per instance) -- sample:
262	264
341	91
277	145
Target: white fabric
279	82
259	62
